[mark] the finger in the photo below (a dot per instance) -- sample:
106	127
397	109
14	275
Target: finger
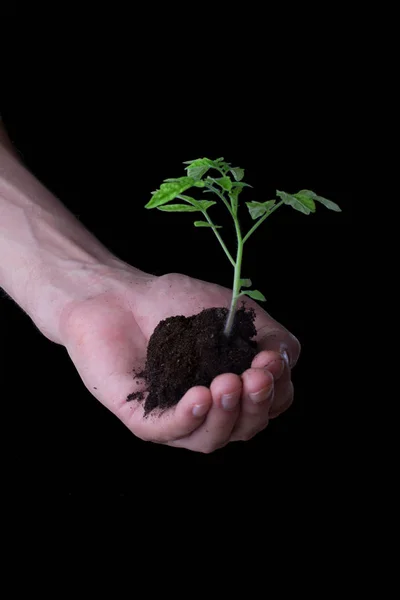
177	422
271	335
283	400
271	360
103	353
216	430
257	396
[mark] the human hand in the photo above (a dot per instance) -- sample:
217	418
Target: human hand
105	311
107	334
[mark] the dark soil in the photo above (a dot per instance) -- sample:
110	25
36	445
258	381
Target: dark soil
188	351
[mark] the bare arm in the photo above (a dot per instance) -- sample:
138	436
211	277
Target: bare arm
45	251
105	311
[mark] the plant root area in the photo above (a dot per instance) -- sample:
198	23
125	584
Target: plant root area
188	351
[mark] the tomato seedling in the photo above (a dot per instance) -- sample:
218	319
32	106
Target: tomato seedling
227	188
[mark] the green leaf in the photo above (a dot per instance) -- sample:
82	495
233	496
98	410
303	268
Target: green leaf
178	208
205	224
240	184
306	200
199	167
224	182
255	294
197	172
245	282
301	203
225	166
328	203
258	209
170	190
198	162
237	173
199	183
205	204
308	193
189	199
199	204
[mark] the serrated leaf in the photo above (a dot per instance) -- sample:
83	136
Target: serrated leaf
237	173
258	209
170	190
188	199
245	282
328	203
255	294
178	208
240	184
199	167
205	224
308	193
197	172
199	204
303	204
198	162
309	202
224	182
205	204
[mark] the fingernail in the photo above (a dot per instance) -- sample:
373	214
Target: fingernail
285	357
199	410
230	401
262	395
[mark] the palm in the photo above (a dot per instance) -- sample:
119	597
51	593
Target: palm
107	339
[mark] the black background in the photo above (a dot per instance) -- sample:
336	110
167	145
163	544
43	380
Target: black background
102	131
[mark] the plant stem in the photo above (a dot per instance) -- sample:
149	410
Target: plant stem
219	239
236	280
225	249
221	195
252	230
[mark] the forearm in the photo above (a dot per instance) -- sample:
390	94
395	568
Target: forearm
45	252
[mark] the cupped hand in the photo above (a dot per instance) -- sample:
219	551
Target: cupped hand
107	335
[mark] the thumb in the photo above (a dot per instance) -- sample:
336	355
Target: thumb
271	335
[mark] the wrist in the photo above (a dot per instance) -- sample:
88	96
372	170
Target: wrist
49	260
53	292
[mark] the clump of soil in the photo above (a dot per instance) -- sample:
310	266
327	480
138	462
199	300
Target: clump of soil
188	351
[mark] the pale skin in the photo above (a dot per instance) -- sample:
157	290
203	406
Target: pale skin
104	311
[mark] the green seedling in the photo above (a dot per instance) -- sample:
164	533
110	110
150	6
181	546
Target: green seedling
227	187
